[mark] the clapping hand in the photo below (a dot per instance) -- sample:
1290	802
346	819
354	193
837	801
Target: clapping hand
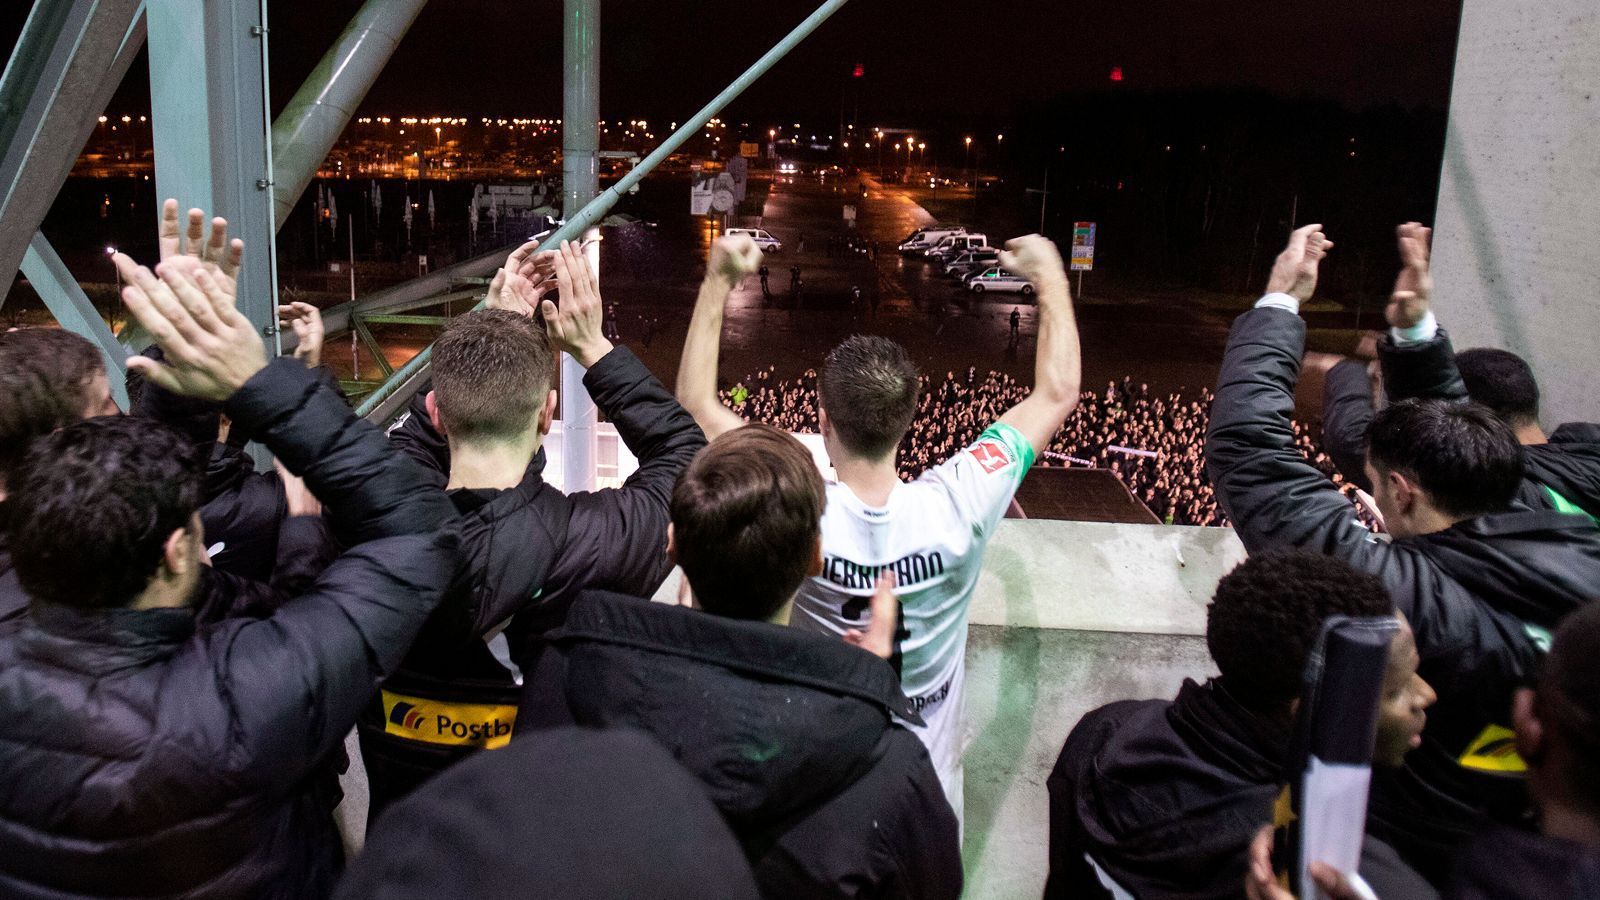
878	637
1295	271
306	320
1413	288
577	325
523	281
211	349
220	257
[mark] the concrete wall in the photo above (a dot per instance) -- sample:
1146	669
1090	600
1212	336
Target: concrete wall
1519	202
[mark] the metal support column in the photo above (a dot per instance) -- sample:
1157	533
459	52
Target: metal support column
208	105
318	113
580	182
393	394
65	299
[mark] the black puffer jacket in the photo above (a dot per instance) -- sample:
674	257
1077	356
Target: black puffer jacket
144	754
1481	596
789	732
529	551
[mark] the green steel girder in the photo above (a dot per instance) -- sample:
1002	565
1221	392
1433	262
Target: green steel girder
372	346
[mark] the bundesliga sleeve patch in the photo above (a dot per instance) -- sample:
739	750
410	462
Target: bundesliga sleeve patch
991	455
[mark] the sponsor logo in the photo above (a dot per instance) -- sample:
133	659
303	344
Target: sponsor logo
1494	751
991	456
484	725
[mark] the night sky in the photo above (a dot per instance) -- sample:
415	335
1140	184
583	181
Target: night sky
923	60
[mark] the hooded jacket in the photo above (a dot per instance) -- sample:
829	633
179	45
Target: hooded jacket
788	732
1482	596
144	753
528	551
1164	795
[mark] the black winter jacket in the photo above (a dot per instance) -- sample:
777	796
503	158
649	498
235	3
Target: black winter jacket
1481	596
529	550
1164	795
143	753
1568	464
789	732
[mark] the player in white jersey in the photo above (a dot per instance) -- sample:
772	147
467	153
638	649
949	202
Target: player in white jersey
929	533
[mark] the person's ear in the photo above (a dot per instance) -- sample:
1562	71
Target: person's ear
1525	721
433	412
672	545
815	568
1404	493
177	553
549	414
823	425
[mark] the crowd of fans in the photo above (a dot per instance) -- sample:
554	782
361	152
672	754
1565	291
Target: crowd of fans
187	642
1106	425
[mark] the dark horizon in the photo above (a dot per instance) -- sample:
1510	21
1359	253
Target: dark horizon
662	59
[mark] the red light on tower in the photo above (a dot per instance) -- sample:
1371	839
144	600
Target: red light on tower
1116	73
860	72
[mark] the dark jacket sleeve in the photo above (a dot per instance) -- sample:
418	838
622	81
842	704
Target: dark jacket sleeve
617	538
1425	371
1346	413
1275	497
297	680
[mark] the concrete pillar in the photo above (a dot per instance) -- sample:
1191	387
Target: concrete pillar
1519	200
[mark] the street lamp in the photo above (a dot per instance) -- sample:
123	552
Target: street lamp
966	162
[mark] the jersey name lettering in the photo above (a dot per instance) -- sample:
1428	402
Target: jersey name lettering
908	571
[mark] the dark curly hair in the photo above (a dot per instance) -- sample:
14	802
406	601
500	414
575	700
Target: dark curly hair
93	505
1266	615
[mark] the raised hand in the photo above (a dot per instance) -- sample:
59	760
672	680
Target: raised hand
733	257
1413	288
577	325
523	281
878	637
1295	271
298	497
211	349
220	256
306	320
1035	258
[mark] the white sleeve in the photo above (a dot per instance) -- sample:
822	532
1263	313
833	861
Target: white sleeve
982	478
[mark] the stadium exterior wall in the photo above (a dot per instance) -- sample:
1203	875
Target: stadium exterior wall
1519	198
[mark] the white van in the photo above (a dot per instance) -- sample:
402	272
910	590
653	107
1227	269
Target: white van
765	242
923	238
956	243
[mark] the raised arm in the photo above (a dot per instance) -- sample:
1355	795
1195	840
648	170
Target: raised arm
1418	360
1058	366
299	678
1272	494
732	258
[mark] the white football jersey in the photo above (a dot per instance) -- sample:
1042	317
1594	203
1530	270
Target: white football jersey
931	534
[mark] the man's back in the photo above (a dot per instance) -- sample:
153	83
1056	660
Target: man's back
789	733
148	753
931	535
1163	795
